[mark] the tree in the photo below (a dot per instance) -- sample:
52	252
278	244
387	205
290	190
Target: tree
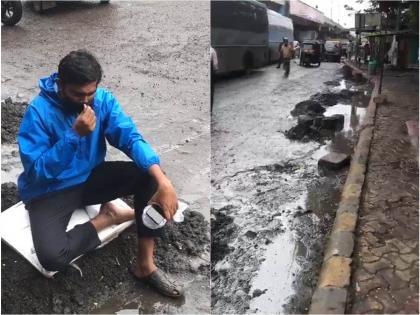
400	15
396	14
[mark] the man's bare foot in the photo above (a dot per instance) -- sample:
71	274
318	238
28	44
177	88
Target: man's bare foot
117	213
111	213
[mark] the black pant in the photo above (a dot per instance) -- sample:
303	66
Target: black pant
50	214
286	67
279	62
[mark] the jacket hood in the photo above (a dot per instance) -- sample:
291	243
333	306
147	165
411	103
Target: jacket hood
49	88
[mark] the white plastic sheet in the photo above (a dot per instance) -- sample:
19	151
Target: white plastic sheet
16	230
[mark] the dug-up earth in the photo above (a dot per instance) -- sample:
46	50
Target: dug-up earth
181	252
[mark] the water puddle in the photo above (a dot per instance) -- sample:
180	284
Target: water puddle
353	116
276	275
342	86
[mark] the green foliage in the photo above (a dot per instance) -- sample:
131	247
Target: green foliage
349	8
409	13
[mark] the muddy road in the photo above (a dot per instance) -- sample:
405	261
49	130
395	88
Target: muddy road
155	60
271	206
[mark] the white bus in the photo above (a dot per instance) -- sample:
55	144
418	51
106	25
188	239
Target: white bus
279	26
239	34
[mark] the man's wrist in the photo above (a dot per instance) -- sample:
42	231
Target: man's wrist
160	178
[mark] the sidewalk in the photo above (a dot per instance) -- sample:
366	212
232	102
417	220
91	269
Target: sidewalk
385	260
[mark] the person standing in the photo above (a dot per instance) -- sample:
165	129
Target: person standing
286	54
350	49
367	52
214	66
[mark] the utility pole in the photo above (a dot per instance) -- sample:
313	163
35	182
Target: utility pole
381	56
331	9
398	16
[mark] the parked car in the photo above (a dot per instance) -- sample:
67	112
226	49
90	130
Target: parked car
45	5
311	53
332	50
11	12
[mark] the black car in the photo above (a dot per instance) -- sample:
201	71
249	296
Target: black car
310	53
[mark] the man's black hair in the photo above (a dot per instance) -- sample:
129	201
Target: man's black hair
79	67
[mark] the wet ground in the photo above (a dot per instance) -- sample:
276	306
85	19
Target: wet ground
155	60
271	206
385	267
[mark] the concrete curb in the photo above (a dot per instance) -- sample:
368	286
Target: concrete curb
330	296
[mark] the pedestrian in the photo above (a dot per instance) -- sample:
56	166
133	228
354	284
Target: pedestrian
62	145
350	50
366	52
214	66
359	51
286	54
280	55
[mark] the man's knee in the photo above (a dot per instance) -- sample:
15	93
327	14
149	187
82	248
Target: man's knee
54	260
146	184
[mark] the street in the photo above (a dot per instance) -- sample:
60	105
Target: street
155	61
271	207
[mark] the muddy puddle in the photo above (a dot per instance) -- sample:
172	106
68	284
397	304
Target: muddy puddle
152	303
270	223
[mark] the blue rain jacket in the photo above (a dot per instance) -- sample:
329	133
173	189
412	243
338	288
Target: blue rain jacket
55	157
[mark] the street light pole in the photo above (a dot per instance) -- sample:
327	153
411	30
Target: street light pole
381	58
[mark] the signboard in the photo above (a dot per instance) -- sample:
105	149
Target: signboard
367	22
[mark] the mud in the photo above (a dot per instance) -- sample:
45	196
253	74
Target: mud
323	199
244	244
306	133
324	127
11	115
326	99
9	195
331	99
272	207
318	128
308	222
332	83
222	227
180	251
309	107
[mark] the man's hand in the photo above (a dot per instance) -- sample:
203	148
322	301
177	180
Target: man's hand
165	195
85	123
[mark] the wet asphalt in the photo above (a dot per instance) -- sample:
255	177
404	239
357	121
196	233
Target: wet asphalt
155	61
271	206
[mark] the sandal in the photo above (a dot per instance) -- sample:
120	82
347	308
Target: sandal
159	281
